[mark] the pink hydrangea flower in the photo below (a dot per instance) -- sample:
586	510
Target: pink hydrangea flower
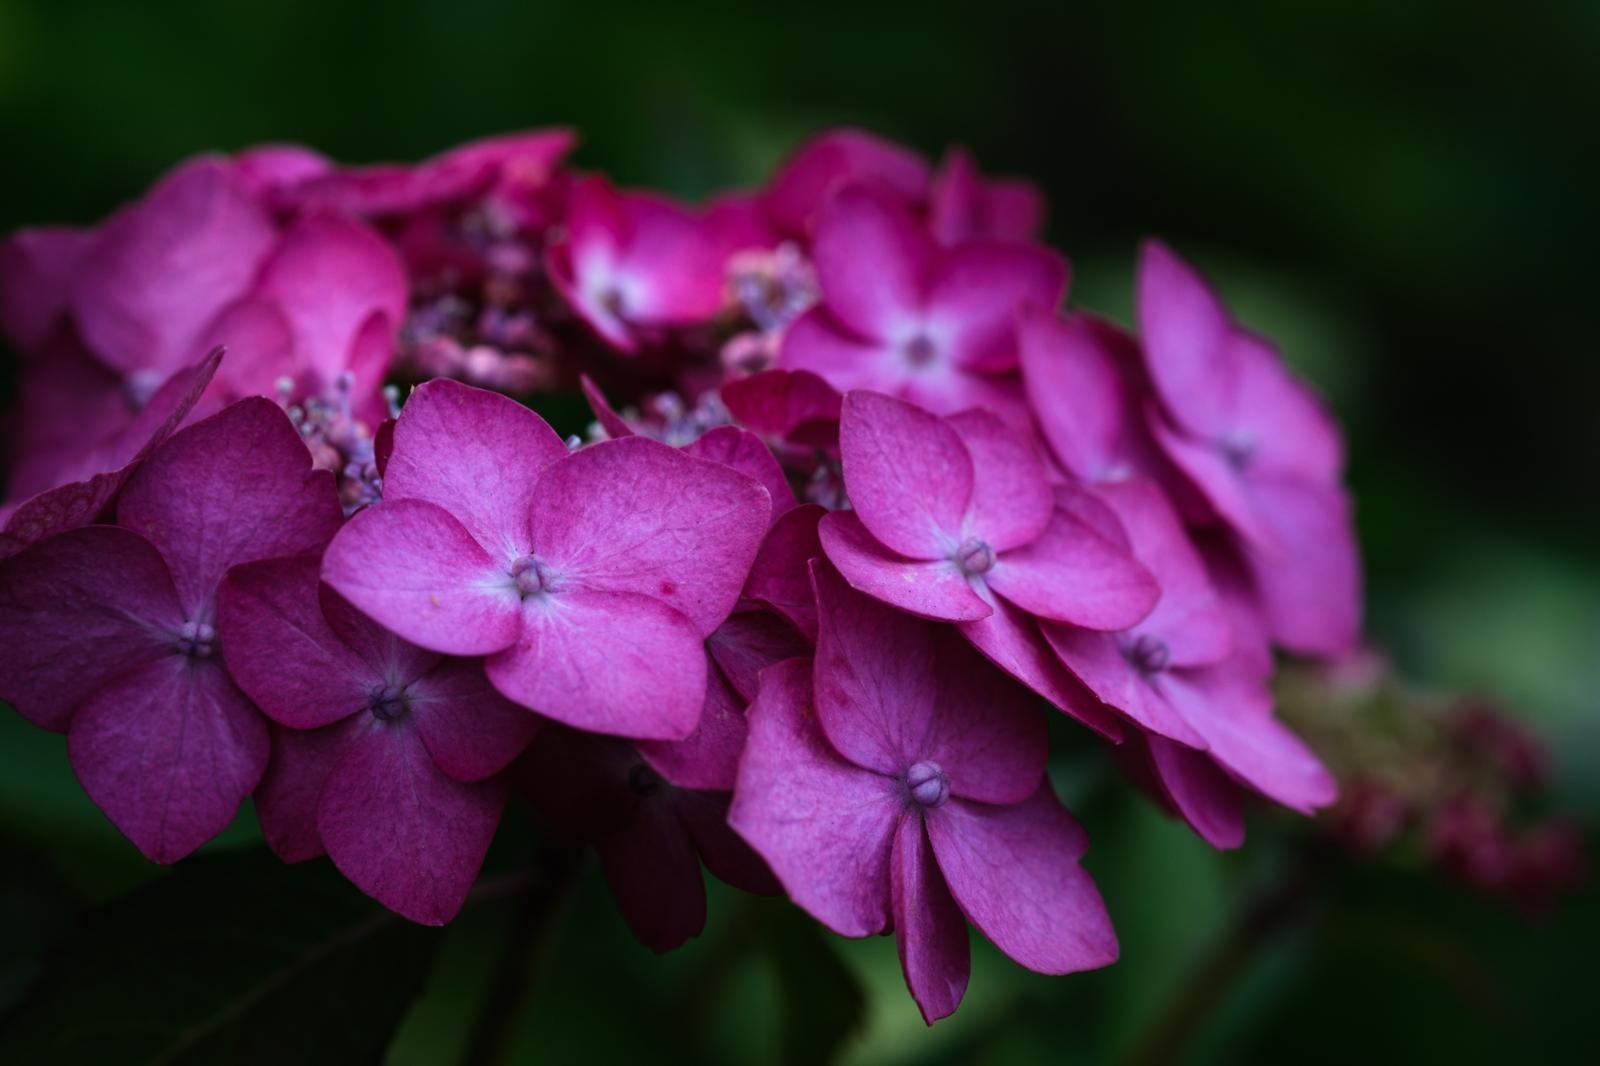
898	783
903	316
589	579
1262	449
954	519
110	631
632	262
387	755
1173	674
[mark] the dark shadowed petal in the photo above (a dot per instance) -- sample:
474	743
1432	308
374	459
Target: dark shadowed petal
932	589
930	930
873	260
607	662
1205	796
287	801
909	477
749	642
235	487
705	815
415	569
168	751
1011	501
708	758
1015	873
403	831
37	267
655	876
777	402
824	825
780	576
280	650
475	453
743	451
1073	574
635	516
471	731
78	610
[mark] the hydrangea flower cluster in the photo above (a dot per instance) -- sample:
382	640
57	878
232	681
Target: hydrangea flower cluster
860	507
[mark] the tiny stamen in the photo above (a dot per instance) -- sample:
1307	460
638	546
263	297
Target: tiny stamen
197	640
1150	654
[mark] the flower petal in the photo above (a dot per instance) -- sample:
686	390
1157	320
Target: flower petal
1015	873
708	758
235	487
930	930
655	876
636	516
741	450
749	642
1073	574
288	797
1011	501
824	825
1098	661
412	567
933	589
909	477
401	830
892	691
168	751
780	576
1188	340
475	453
1310	587
606	662
280	650
470	730
78	610
1206	798
978	290
872	261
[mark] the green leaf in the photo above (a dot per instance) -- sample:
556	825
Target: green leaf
234	958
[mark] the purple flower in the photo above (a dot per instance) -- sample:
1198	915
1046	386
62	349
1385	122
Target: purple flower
110	631
962	206
1260	447
1173	674
589	579
899	784
650	834
953	519
387	754
903	316
635	261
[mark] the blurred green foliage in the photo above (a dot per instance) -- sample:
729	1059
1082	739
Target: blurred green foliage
1402	194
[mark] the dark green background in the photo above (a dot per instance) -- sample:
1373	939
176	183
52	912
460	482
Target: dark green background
1404	194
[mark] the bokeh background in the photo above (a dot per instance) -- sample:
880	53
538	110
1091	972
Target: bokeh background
1404	195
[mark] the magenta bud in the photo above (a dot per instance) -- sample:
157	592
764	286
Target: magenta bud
974	557
1150	654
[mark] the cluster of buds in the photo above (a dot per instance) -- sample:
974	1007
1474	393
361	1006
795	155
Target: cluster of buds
1453	782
